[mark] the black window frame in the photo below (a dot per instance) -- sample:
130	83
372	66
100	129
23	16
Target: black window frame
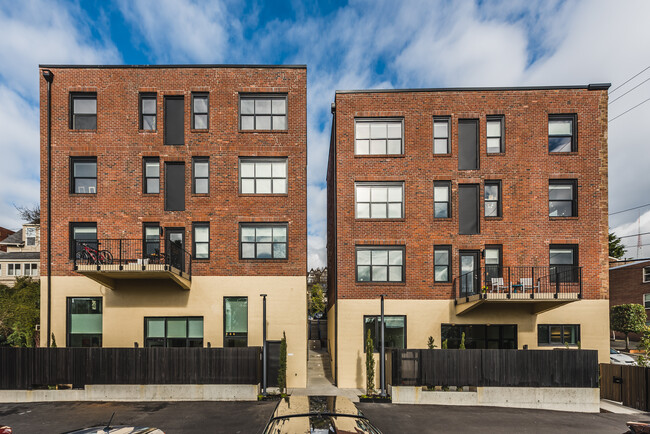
147	96
68	334
263	96
379	184
73	178
498	201
196	225
156	254
72	241
264	225
386	121
448	201
196	160
447	248
73	116
145	178
501	137
574	276
205	95
375	342
574	192
446	119
165	339
492	270
548	342
453	335
271	160
574	132
234	337
386	248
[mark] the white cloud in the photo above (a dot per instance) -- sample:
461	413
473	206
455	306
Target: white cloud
630	234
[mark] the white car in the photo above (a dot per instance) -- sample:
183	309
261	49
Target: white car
617	358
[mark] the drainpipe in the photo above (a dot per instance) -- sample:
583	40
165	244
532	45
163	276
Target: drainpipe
263	344
382	357
49	76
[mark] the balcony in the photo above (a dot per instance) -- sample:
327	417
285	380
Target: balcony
540	288
110	261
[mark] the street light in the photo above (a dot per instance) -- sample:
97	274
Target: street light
263	344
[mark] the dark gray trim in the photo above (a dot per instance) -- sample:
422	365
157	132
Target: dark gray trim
376	341
548	342
194	226
441	247
264	224
492	182
225	336
187	330
194	177
67	316
380	247
198	66
207	113
595	86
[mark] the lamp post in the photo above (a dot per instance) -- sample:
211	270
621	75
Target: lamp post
49	76
263	344
382	371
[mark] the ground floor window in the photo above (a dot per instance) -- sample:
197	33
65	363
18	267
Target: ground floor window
84	322
173	332
31	270
558	334
480	336
13	270
394	332
235	317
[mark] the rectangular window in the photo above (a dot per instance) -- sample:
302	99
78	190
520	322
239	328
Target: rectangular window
441	142
494	129
83	174
646	274
30	236
493	264
31	270
442	264
468	216
83	111
558	334
480	336
380	264
563	261
173	331
200	104
378	137
561	133
148	110
13	270
82	234
200	175
379	200
263	175
263	112
646	301
201	240
235	317
468	144
152	241
492	198
151	171
84	322
174	120
263	241
441	199
394	331
562	198
174	186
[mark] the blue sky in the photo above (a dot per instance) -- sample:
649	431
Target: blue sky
346	45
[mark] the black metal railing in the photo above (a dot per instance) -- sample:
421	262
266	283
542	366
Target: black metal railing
133	255
497	281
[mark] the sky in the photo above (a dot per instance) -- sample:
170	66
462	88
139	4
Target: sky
359	44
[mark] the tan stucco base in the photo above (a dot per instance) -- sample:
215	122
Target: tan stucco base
124	310
424	318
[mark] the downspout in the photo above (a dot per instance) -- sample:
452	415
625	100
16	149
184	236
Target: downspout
49	76
335	277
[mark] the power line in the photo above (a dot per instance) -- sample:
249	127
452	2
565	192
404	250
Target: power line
619	97
634	235
630	209
643	102
630	79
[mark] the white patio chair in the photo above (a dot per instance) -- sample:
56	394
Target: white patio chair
527	283
497	284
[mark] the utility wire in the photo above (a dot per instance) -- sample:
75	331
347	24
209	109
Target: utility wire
630	79
630	209
626	111
634	235
619	97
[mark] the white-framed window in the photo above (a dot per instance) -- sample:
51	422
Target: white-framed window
378	137
263	175
14	270
646	301
30	236
379	200
31	270
646	274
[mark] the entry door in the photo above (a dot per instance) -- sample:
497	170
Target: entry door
272	363
469	273
175	246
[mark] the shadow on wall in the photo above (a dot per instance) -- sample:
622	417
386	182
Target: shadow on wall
147	294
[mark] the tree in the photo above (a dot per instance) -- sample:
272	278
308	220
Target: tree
644	344
282	369
370	365
316	300
19	312
30	215
616	248
628	318
431	343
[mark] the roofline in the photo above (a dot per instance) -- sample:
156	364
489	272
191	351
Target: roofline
172	66
593	86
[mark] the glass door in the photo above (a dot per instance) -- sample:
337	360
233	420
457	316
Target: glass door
469	273
175	246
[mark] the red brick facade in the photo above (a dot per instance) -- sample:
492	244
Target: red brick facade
120	207
626	283
525	229
4	233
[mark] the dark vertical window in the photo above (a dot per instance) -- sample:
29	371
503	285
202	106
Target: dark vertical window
441	199
201	238
152	241
83	111
148	111
151	171
494	127
200	108
82	233
235	317
84	322
441	135
394	331
563	198
200	175
493	265
561	133
173	332
174	186
83	175
468	216
558	334
492	198
174	120
442	264
468	144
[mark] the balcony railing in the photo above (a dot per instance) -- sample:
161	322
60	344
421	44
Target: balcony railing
132	255
521	282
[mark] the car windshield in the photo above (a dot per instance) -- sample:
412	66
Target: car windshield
612	351
320	424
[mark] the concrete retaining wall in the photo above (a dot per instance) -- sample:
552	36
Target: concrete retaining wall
585	400
136	393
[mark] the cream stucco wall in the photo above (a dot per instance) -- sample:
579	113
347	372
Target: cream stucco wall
424	318
124	310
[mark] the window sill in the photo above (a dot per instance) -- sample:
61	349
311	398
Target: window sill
442	219
402	219
264	131
83	194
495	154
494	218
200	195
148	131
379	156
200	260
442	155
75	130
202	130
151	194
563	218
563	153
441	283
263	194
272	261
381	283
557	345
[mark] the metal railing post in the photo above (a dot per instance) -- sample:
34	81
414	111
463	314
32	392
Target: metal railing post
120	254
557	282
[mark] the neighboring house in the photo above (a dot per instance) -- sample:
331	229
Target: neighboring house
4	233
179	197
480	211
629	282
22	257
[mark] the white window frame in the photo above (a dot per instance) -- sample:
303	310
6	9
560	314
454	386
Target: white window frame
646	274
372	185
646	301
376	121
14	269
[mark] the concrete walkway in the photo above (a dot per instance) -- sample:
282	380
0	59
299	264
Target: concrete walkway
319	379
616	407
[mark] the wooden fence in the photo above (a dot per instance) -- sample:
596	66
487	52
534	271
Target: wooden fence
318	330
626	384
494	368
27	368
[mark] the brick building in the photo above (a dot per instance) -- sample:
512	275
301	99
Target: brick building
178	197
4	233
480	211
629	282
